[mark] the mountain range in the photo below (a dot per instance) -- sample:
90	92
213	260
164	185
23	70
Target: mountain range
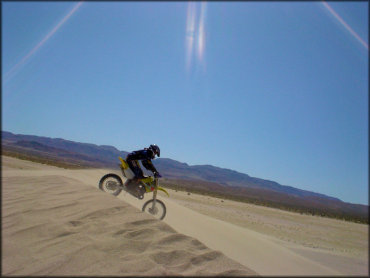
201	177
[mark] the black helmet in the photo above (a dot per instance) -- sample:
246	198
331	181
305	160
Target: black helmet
155	149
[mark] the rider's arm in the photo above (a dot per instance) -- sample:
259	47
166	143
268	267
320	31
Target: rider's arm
149	165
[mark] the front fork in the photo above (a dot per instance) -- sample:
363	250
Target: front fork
155	194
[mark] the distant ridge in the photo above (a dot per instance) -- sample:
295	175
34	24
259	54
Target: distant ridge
199	177
174	169
89	155
107	156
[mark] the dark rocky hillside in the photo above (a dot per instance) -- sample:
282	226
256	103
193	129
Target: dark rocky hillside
196	177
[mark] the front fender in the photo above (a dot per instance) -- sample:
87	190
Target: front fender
164	190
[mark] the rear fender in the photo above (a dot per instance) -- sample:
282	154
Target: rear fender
124	164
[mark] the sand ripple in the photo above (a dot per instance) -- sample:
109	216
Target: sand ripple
54	225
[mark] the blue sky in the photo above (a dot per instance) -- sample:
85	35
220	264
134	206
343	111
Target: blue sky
276	90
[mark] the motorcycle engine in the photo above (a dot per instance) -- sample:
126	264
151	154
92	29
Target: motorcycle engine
135	189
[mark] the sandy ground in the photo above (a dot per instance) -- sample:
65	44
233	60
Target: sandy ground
56	222
340	245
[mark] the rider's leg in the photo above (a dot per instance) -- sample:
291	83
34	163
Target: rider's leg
135	167
135	182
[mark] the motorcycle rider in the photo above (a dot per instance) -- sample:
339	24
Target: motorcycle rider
145	156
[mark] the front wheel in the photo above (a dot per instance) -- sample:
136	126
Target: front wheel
111	183
159	211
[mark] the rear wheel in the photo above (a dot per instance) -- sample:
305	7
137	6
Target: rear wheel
111	183
159	210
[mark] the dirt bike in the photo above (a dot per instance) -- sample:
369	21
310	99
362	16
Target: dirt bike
112	183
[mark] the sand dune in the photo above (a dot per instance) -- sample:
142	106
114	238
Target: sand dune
57	222
56	225
252	249
339	245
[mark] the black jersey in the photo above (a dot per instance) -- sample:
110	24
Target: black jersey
146	156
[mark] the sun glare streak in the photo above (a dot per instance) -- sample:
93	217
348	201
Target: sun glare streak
195	38
345	25
201	33
190	33
42	42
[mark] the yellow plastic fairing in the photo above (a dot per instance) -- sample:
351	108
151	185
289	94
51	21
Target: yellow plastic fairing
147	180
124	164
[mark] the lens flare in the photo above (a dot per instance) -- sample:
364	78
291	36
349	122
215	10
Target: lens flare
195	38
201	33
345	25
42	42
190	33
